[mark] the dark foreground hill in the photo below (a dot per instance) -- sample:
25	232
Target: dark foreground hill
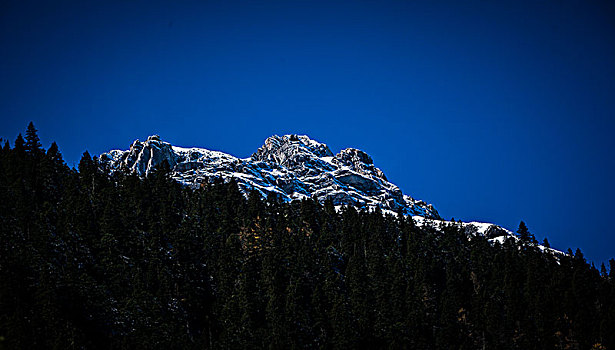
92	260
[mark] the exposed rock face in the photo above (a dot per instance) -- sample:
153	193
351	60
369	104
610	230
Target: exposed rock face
359	162
142	157
289	149
291	166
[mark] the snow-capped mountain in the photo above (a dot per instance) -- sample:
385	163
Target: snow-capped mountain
291	166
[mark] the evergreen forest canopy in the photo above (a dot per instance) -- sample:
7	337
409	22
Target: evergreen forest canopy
92	260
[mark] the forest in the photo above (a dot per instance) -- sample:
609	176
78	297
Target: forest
90	260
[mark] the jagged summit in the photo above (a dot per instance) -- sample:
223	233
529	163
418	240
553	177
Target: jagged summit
291	166
279	149
298	153
144	156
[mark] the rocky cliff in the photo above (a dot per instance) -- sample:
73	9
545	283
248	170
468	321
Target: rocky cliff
291	166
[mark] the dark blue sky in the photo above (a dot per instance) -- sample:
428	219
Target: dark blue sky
491	110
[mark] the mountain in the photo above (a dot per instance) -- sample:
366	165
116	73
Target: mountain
293	167
146	263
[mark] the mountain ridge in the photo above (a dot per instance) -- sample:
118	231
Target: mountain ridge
292	166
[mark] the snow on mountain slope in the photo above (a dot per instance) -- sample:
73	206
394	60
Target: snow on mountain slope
493	232
291	166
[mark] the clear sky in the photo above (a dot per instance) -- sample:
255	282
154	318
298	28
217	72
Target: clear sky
497	111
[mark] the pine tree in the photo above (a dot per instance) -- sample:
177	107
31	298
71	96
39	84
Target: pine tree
33	143
54	155
524	234
603	271
20	145
87	171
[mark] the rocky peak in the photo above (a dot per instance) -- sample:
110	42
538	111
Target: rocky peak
358	161
291	151
143	157
354	155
